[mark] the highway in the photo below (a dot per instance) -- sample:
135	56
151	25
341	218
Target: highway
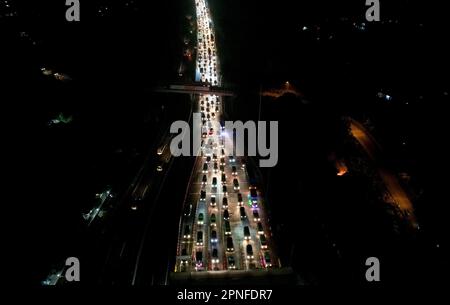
210	240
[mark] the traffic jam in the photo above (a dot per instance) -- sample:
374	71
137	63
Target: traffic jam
223	225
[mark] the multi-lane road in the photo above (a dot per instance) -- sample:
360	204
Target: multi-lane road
224	225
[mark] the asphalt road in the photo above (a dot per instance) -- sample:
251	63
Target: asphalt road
389	179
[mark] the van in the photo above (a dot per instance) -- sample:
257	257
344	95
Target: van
242	212
187	232
263	240
260	228
213	236
226	215
236	184
249	251
225	203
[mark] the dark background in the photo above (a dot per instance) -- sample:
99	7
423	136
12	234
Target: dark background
116	57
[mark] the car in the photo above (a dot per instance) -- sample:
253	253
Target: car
199	259
242	213
230	246
224	179
263	240
231	159
226	215
200	219
260	228
231	262
240	200
256	216
233	170
215	256
188	210
247	233
200	238
205	168
187	232
210	144
224	190
204	180
214	236
249	251
214	182
214	158
223	152
267	260
202	196
222	169
213	201
225	202
213	219
236	184
217	108
204	134
227	228
208	159
222	161
216	168
243	165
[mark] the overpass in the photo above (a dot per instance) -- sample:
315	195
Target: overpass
194	89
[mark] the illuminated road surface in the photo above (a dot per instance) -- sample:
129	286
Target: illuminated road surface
214	141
